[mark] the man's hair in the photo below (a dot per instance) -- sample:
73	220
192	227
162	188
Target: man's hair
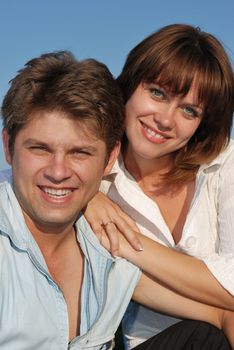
175	56
83	90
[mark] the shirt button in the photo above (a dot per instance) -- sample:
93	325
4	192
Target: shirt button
190	242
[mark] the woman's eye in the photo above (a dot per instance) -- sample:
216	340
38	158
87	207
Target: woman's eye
157	93
191	112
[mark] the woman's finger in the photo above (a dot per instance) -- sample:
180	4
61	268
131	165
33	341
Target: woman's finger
113	236
130	233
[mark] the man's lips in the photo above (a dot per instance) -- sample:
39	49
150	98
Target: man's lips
56	193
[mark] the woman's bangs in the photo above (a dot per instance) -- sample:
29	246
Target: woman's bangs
176	74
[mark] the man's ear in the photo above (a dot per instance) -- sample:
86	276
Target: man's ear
5	141
113	156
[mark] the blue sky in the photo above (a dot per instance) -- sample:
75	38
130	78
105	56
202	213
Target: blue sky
102	29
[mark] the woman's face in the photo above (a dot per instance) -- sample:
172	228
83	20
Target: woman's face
159	123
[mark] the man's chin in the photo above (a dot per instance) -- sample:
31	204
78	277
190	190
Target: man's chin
54	222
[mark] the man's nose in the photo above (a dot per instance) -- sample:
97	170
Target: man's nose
58	169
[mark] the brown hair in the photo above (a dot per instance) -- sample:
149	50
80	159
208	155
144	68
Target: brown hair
174	56
83	90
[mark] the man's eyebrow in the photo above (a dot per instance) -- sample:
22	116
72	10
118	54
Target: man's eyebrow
31	141
84	147
73	148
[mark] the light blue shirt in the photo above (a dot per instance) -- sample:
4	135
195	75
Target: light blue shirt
33	311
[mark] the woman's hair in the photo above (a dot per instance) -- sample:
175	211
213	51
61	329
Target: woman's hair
174	56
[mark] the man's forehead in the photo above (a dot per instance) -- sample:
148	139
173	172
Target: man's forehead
88	125
58	127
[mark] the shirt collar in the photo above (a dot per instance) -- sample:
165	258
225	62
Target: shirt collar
12	221
85	233
218	161
12	224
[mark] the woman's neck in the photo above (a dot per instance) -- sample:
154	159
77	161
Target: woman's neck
142	168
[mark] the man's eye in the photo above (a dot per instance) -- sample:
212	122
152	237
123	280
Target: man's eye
38	148
81	154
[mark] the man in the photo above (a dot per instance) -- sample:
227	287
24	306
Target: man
60	289
63	121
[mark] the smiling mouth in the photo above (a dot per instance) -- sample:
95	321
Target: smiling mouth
154	134
56	193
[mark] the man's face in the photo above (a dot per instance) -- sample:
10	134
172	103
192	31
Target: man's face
57	166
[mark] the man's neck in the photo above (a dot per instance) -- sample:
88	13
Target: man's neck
51	238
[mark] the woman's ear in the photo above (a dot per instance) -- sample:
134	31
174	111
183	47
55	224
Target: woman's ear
5	141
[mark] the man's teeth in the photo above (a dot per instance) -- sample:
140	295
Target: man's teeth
153	133
52	192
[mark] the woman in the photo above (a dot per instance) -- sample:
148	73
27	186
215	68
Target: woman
175	174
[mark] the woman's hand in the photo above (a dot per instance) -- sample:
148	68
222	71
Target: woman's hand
106	218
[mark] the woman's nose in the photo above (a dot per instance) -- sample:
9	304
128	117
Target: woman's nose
165	117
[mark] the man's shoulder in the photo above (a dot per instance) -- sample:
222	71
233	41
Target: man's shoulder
5	175
89	241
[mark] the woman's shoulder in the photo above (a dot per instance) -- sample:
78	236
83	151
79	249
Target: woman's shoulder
227	155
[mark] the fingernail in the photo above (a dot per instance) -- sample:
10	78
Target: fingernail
139	247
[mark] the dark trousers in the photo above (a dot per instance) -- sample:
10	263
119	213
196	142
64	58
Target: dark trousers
187	335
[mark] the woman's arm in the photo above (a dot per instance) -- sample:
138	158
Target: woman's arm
184	274
154	295
151	293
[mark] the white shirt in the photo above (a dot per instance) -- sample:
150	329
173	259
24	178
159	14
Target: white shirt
208	233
